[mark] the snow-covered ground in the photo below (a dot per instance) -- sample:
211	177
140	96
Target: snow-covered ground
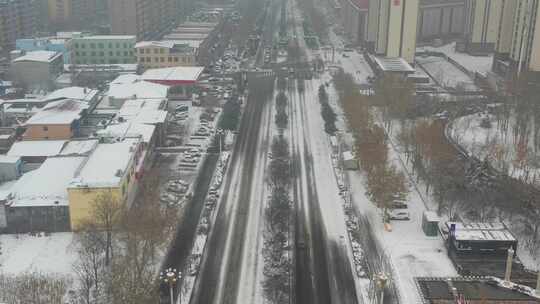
45	254
480	64
446	74
505	151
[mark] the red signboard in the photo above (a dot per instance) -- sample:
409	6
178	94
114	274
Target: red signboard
396	2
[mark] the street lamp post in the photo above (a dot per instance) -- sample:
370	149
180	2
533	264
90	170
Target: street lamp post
220	132
171	276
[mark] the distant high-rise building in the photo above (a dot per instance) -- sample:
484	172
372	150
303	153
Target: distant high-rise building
518	43
525	48
17	20
482	25
73	14
147	19
391	30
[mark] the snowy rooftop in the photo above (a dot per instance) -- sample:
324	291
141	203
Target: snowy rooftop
129	129
132	86
398	65
108	37
164	44
36	148
7	159
174	75
39	56
78	93
47	185
58	112
481	232
347	155
79	147
133	107
107	164
186	36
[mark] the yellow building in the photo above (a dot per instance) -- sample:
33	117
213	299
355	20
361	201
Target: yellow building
165	54
112	167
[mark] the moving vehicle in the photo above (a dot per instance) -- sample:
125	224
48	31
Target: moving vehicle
399	215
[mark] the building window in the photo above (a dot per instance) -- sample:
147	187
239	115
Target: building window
76	45
110	45
156	59
162	51
156	51
118	53
117	45
148	59
169	59
83	46
175	59
141	51
101	54
100	45
92	45
125	45
83	53
92	53
45	128
126	53
161	59
111	53
147	51
102	61
77	53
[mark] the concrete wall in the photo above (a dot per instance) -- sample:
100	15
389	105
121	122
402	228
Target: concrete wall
38	75
482	25
441	20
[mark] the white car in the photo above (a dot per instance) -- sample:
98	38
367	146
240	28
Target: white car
399	215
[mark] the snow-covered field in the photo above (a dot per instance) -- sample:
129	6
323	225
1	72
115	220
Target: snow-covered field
45	254
480	64
505	151
446	74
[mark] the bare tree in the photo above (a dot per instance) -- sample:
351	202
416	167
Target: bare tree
106	211
90	262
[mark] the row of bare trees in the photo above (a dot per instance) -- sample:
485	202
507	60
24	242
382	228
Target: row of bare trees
385	183
277	265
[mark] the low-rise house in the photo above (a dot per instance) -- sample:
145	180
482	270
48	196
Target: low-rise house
35	151
131	86
37	70
161	54
76	93
39	199
57	120
112	167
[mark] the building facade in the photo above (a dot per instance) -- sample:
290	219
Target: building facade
354	17
104	49
441	19
164	54
392	28
146	19
72	14
482	25
17	20
37	70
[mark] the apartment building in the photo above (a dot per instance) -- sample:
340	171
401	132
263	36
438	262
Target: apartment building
164	54
482	25
103	49
525	47
518	43
392	28
146	19
441	19
72	14
354	17
17	20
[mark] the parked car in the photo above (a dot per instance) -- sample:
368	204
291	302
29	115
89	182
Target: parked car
399	215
